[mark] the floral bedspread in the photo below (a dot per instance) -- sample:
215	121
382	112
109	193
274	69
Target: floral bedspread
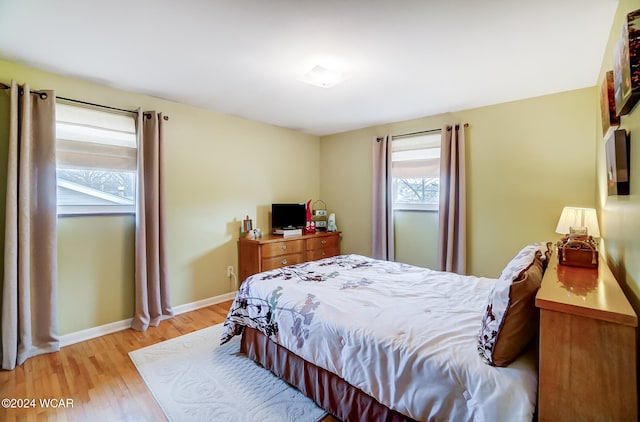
259	310
405	335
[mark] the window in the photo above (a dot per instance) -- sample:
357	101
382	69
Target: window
416	172
96	161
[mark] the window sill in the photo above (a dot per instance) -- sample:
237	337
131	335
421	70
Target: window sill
80	211
416	207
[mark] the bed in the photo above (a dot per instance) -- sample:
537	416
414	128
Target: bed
377	340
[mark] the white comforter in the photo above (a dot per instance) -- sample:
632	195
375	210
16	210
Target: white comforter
405	335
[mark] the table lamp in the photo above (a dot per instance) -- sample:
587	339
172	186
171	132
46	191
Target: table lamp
578	222
577	247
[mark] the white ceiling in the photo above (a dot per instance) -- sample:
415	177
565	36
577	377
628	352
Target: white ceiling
405	58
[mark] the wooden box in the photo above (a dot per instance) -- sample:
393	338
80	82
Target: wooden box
578	252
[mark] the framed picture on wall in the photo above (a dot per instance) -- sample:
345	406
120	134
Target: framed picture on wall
617	158
626	65
610	119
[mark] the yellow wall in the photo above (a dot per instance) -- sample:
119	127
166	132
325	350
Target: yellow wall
526	160
219	168
95	271
416	236
620	215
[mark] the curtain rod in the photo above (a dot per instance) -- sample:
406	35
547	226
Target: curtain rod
97	105
421	132
3	86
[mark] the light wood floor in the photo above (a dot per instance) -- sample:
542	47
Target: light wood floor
97	375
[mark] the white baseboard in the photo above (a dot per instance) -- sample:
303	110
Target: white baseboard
187	307
89	333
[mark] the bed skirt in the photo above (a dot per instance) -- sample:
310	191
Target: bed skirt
329	391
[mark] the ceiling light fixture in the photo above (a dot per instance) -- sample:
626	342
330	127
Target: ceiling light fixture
323	77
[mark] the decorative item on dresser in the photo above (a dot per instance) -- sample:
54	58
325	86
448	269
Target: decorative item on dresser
577	247
247	225
587	346
310	224
331	227
273	251
319	210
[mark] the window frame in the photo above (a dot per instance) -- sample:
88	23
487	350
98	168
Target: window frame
75	210
407	206
94	210
421	207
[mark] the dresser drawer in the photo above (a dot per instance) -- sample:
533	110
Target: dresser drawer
328	242
281	261
282	248
322	253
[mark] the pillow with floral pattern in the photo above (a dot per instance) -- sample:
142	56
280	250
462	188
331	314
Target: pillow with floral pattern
510	320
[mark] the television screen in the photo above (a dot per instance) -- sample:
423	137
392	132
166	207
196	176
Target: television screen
293	216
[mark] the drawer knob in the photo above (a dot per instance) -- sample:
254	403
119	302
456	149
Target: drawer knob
324	242
284	261
284	247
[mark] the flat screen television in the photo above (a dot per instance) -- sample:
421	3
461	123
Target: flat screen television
288	216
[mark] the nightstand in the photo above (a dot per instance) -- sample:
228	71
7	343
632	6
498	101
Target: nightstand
587	346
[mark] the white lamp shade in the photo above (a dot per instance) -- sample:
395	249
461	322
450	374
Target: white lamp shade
578	217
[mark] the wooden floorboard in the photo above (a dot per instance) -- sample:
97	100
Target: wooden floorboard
97	375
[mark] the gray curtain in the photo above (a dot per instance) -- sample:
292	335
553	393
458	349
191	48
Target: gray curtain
29	288
452	230
152	300
382	237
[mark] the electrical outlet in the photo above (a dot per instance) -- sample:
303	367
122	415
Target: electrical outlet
230	271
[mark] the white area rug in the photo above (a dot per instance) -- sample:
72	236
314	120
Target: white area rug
193	378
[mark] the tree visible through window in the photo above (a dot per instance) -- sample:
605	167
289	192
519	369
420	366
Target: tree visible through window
416	172
418	190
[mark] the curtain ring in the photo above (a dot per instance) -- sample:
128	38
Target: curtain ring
41	95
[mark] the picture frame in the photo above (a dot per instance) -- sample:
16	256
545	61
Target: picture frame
626	65
617	158
247	225
610	120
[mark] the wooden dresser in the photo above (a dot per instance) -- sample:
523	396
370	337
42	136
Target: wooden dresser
587	346
273	251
